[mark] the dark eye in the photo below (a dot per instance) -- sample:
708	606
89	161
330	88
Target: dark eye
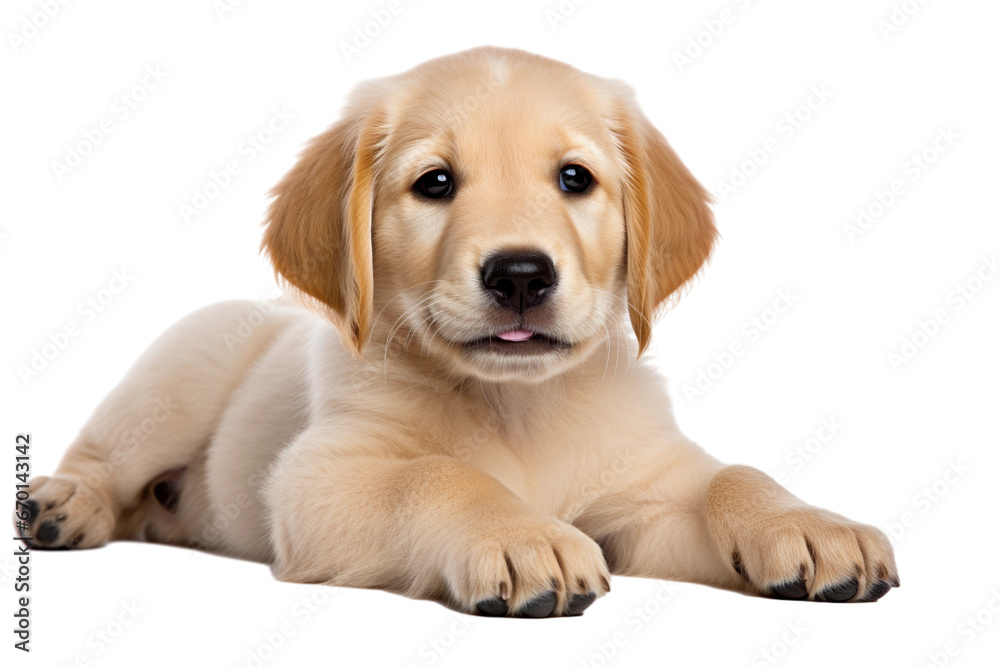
435	184
574	178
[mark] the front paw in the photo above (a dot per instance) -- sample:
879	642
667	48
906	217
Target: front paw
789	550
532	569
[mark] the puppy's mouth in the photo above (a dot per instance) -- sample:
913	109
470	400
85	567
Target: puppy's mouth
517	341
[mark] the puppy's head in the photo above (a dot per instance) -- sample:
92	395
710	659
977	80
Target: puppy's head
495	212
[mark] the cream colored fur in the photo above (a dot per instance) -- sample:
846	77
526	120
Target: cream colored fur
353	441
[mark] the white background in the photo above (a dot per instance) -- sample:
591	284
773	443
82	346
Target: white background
899	427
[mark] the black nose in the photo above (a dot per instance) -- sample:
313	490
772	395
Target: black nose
519	280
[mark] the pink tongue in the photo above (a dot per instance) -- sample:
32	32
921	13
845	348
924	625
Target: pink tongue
516	335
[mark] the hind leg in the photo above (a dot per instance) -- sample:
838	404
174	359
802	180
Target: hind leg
124	468
91	499
63	513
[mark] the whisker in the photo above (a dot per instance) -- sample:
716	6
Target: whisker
396	326
626	302
619	329
607	359
401	293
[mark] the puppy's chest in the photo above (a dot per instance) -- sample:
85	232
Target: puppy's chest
558	463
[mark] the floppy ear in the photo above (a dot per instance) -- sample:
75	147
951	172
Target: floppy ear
319	227
669	226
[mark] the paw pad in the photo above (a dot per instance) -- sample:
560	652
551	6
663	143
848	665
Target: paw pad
541	606
841	592
578	603
492	607
48	533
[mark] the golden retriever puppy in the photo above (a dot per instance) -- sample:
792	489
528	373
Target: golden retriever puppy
460	413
